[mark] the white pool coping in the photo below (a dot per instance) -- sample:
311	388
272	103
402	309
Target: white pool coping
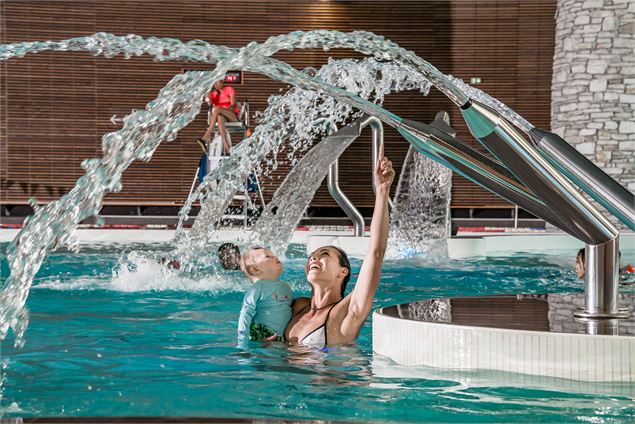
124	235
474	246
467	245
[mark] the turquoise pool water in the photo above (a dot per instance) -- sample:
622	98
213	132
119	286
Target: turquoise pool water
114	334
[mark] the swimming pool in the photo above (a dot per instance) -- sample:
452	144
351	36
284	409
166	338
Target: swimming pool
112	333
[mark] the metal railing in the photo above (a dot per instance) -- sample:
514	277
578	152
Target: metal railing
333	175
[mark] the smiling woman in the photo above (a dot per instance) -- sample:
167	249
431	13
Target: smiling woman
328	317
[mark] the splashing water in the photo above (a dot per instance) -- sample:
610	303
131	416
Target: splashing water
281	216
422	204
177	105
137	271
293	120
310	114
54	224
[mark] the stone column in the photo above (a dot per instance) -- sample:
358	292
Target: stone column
593	84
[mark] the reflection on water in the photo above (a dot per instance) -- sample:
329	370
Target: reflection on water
342	365
535	312
472	380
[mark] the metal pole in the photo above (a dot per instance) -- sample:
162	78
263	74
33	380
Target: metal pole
262	198
351	211
198	168
601	280
609	327
341	199
377	129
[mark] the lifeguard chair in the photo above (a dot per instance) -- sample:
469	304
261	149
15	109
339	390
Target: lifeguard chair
214	156
215	145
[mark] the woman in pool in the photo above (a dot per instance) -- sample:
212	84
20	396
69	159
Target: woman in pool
328	317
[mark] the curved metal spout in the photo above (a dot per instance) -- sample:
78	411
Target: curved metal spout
581	171
437	144
562	197
351	211
522	159
377	133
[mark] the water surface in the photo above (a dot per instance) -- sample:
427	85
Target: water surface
112	333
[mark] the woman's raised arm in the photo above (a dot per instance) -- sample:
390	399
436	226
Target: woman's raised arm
364	291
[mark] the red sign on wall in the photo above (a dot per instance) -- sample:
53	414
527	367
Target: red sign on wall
231	77
234	77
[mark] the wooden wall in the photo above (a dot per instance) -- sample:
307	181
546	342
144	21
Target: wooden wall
54	107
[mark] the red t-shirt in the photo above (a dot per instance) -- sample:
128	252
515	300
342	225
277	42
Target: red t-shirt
223	99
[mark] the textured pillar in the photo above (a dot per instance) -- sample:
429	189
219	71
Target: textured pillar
593	85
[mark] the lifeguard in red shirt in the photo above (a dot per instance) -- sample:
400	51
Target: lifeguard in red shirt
223	101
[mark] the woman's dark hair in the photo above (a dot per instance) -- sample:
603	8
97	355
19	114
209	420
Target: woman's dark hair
580	255
344	263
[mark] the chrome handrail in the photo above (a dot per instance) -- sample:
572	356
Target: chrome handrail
336	192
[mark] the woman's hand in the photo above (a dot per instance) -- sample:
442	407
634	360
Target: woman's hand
384	174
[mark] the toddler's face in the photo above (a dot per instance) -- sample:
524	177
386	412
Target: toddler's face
267	263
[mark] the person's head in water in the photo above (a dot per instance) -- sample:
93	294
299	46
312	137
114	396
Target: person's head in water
328	264
579	264
170	263
229	256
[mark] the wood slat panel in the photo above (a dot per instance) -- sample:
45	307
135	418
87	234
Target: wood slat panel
55	107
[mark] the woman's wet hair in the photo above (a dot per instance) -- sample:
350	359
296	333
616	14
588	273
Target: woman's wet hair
580	256
344	263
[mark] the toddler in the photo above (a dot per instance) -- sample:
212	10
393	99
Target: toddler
266	307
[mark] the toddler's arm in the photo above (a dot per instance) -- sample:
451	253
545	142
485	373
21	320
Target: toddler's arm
248	311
